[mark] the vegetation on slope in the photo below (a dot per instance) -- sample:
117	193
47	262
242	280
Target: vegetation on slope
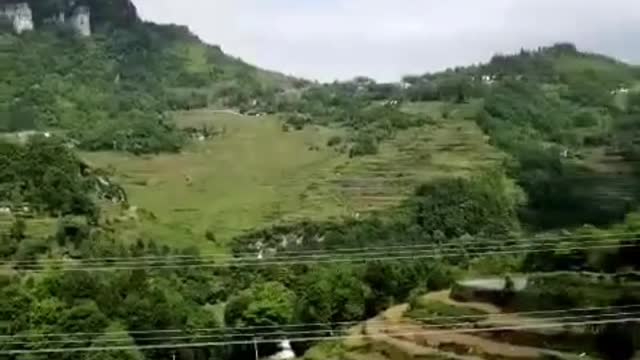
114	91
46	177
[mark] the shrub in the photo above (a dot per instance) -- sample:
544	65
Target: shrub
334	141
585	119
298	121
415	297
210	236
138	133
457	207
364	145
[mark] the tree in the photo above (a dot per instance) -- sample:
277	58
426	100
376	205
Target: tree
266	305
123	340
15	304
263	304
18	231
332	294
84	317
457	207
47	176
633	103
364	144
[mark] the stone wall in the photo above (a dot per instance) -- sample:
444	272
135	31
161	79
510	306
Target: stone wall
19	15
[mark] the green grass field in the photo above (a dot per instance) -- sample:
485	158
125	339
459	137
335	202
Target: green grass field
236	181
255	174
35	227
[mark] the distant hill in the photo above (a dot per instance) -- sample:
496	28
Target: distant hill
561	63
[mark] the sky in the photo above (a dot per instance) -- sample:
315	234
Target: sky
339	39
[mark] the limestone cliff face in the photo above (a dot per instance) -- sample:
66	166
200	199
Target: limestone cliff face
120	13
18	14
82	15
80	20
21	17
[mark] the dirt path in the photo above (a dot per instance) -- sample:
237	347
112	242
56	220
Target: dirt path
400	338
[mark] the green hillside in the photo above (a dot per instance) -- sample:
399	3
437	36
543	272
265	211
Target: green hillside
160	199
253	174
114	89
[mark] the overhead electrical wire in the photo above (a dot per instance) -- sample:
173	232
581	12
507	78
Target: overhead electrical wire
339	323
371	324
311	255
344	255
364	257
251	255
316	338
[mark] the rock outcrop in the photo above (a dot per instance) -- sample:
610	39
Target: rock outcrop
19	15
80	20
81	15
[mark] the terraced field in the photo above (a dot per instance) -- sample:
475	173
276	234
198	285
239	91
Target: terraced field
445	149
253	174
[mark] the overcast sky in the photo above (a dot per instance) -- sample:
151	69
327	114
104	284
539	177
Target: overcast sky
385	39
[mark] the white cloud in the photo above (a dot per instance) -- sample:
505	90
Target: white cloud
328	39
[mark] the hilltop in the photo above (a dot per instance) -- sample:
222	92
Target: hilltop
114	88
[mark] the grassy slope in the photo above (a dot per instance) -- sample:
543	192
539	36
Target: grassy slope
238	179
446	148
597	65
255	174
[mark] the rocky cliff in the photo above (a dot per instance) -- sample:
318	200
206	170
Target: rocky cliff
80	20
82	15
19	15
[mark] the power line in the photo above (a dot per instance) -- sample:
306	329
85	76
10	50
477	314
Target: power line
252	255
317	255
370	325
361	258
318	324
312	338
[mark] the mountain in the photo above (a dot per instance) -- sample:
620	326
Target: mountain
114	88
396	190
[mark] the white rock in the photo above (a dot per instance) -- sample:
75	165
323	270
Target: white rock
81	20
19	14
